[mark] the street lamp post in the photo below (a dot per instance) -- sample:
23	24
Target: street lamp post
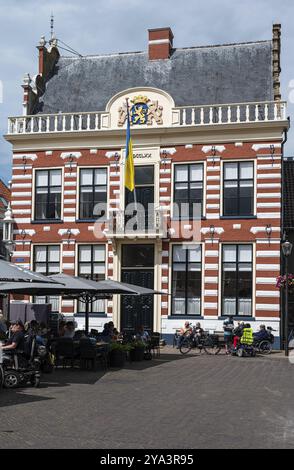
287	250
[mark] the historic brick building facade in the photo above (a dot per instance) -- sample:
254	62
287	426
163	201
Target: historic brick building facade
5	196
208	128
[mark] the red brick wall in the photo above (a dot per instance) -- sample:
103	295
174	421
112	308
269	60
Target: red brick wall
268	173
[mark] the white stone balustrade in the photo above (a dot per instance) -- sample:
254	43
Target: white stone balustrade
268	111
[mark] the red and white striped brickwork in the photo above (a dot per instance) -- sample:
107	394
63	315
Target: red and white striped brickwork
266	302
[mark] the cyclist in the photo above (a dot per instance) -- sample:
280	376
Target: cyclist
199	330
185	331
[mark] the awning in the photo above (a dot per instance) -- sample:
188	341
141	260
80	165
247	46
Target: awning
10	272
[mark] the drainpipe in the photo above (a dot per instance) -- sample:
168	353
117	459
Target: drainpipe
283	235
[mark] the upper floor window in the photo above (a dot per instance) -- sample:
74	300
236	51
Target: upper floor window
48	194
93	190
238	193
186	280
188	191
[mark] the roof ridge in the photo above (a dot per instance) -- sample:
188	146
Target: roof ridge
117	54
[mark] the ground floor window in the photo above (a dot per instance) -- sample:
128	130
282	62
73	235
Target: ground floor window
186	279
92	265
54	300
237	280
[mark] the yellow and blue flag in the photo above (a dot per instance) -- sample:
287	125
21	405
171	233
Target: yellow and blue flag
129	161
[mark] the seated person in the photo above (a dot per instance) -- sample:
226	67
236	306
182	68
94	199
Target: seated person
228	326
33	326
16	341
61	328
247	336
142	334
185	331
33	331
199	330
69	330
261	335
108	333
237	332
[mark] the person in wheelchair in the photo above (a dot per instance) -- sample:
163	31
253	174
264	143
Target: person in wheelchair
16	341
247	336
261	335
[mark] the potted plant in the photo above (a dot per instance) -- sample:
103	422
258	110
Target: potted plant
137	350
118	353
282	280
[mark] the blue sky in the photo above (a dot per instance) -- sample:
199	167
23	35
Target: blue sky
94	27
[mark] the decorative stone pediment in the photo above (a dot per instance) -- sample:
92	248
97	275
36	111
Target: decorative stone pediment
148	107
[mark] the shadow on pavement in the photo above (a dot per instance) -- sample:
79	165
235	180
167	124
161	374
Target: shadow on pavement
16	396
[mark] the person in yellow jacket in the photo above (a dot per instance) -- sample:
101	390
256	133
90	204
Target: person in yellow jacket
247	336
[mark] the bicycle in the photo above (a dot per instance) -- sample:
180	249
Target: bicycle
206	342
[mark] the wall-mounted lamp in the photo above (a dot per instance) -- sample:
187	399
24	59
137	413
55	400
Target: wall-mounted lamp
272	147
8	223
23	235
68	232
116	158
269	231
213	153
164	157
212	232
70	159
24	160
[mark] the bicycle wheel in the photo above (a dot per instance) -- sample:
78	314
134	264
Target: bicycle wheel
211	347
186	346
265	347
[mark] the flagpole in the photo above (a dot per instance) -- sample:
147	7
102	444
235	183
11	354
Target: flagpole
135	194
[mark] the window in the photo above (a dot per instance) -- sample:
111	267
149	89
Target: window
46	260
237	280
186	280
91	265
93	190
48	194
144	183
188	190
238	193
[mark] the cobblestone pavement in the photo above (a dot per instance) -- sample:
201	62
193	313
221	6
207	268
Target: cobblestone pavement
172	402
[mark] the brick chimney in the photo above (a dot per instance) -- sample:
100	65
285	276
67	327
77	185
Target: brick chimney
277	61
160	43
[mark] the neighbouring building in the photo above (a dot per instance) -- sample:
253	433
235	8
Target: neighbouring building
208	125
4	252
4	203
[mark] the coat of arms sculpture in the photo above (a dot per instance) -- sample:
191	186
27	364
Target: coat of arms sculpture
143	111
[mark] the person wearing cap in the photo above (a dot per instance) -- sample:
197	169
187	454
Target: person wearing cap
185	331
16	340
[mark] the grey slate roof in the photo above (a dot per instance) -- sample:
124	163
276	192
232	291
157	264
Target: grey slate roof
192	76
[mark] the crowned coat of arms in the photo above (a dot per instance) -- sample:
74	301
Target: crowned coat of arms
142	111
